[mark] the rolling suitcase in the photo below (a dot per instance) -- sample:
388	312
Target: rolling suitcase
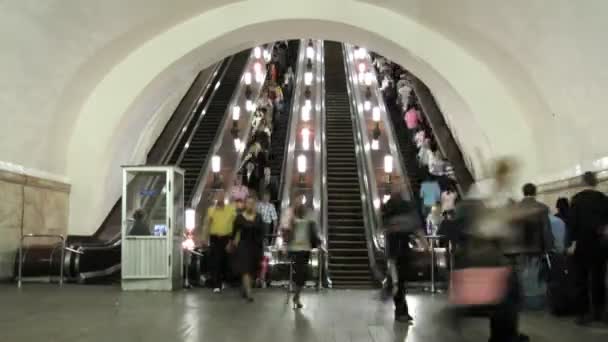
561	287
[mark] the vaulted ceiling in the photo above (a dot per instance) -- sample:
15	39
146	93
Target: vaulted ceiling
515	77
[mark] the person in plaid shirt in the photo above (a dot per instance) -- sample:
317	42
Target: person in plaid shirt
268	213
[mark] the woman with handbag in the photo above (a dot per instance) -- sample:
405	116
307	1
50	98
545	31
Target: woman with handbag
246	244
301	235
484	280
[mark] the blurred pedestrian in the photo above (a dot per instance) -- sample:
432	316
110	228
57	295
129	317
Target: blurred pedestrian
589	226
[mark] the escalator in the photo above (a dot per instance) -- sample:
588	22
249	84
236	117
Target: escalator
349	264
194	158
407	148
98	256
281	127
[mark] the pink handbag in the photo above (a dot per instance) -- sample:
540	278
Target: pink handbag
479	285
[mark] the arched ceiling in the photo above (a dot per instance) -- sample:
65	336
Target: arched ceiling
518	77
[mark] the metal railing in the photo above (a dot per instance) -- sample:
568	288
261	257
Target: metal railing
318	146
61	238
370	215
205	173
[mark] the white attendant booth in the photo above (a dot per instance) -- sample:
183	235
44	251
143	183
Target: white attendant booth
152	227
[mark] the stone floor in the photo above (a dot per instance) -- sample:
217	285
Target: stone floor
88	313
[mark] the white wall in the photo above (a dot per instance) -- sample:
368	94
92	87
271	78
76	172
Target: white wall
82	76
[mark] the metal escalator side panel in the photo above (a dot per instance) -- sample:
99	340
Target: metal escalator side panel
292	182
366	176
350	239
103	261
443	135
288	138
221	109
189	107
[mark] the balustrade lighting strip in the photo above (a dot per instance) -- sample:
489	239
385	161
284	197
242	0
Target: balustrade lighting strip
230	155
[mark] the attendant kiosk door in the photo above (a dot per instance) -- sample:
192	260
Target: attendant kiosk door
152	227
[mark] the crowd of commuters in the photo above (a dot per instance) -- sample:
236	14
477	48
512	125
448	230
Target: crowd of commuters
438	193
531	251
237	227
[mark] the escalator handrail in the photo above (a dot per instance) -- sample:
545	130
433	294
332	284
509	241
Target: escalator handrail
170	150
288	134
392	137
116	240
323	144
287	168
220	66
248	129
370	223
443	135
204	112
291	141
204	172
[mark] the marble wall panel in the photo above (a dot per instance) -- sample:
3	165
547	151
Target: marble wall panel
37	206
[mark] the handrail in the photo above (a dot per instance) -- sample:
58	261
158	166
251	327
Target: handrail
186	122
115	240
204	111
204	173
323	150
20	263
292	112
247	135
288	168
392	137
363	173
291	133
443	135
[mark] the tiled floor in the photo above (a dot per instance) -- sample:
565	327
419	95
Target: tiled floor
85	313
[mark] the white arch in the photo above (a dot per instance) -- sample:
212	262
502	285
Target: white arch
464	85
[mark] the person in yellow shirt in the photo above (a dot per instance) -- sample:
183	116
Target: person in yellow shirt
217	232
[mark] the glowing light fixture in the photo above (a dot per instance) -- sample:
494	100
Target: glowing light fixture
303	199
215	164
301	164
257	52
310	52
259	78
188	244
308	104
305	139
190	219
305	114
267	56
375	145
385	198
249	105
308	78
186	145
388	164
368	78
248	78
367	105
361	68
361	53
376	114
236	113
257	67
237	145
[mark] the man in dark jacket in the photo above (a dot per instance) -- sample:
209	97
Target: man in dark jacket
250	177
535	237
588	214
401	221
268	183
532	241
